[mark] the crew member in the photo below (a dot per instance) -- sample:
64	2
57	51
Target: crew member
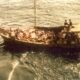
70	22
65	23
70	25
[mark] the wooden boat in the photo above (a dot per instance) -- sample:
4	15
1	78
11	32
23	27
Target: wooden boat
17	44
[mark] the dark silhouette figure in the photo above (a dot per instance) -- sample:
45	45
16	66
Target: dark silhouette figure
70	22
65	23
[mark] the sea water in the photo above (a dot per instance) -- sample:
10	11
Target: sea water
41	65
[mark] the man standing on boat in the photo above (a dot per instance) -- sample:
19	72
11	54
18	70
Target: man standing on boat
65	23
70	22
70	25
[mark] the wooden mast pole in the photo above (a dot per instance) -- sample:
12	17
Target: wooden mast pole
34	13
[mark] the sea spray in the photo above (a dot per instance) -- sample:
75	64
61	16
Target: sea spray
14	65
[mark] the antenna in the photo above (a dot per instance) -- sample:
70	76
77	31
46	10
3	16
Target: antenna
35	13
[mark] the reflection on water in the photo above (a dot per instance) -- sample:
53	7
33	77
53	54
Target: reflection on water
38	65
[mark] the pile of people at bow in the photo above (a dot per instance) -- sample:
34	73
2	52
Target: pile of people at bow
31	35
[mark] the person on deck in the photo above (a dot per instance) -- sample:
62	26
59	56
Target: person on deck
70	25
65	23
70	22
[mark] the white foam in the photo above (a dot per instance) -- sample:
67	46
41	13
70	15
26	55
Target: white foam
14	64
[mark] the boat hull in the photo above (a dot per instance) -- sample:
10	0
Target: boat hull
16	45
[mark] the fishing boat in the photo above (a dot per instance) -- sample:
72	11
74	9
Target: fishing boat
44	38
37	37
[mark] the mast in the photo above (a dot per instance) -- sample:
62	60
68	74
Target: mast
34	13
